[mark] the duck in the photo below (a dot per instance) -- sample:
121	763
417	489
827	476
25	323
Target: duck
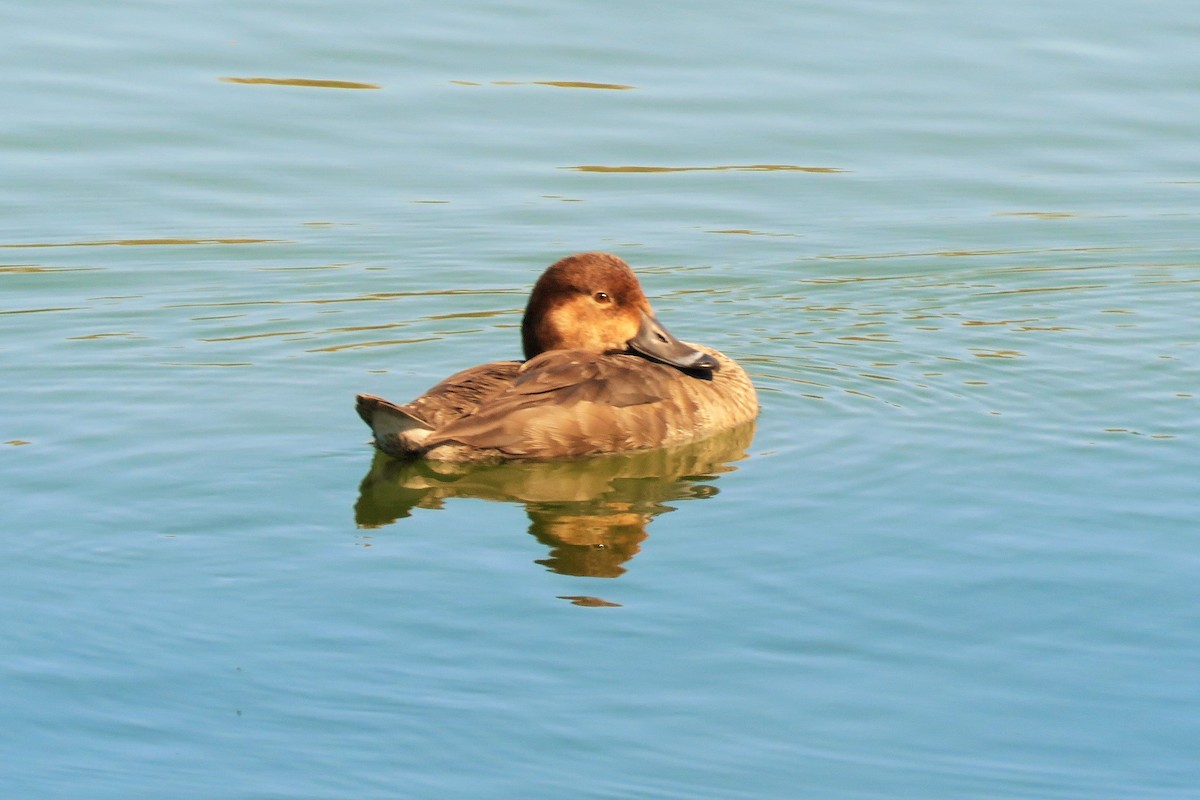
601	375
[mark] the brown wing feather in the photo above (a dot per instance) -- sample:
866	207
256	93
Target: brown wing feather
577	375
401	431
463	392
569	403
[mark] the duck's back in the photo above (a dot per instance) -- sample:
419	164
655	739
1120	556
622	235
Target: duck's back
567	403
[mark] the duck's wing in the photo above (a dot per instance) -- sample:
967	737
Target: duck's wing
573	376
401	431
569	403
463	392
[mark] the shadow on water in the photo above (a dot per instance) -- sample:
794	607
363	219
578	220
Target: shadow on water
592	513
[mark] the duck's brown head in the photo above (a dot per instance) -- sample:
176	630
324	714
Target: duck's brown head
593	302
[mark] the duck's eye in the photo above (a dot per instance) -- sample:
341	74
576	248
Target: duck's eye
601	297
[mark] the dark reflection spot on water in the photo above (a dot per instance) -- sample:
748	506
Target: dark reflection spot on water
1037	214
382	343
42	310
748	232
981	353
588	601
978	322
591	514
1041	289
112	335
170	242
33	269
620	87
248	336
312	83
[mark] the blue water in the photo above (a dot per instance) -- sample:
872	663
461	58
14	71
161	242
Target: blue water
956	247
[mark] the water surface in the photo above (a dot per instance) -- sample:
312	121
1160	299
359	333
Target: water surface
956	249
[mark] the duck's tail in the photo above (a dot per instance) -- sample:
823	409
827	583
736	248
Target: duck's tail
398	433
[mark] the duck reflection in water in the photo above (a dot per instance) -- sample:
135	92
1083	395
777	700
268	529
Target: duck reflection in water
591	513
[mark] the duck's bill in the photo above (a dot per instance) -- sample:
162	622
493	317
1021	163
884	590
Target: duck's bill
656	342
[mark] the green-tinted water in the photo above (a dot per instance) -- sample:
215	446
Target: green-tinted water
956	248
